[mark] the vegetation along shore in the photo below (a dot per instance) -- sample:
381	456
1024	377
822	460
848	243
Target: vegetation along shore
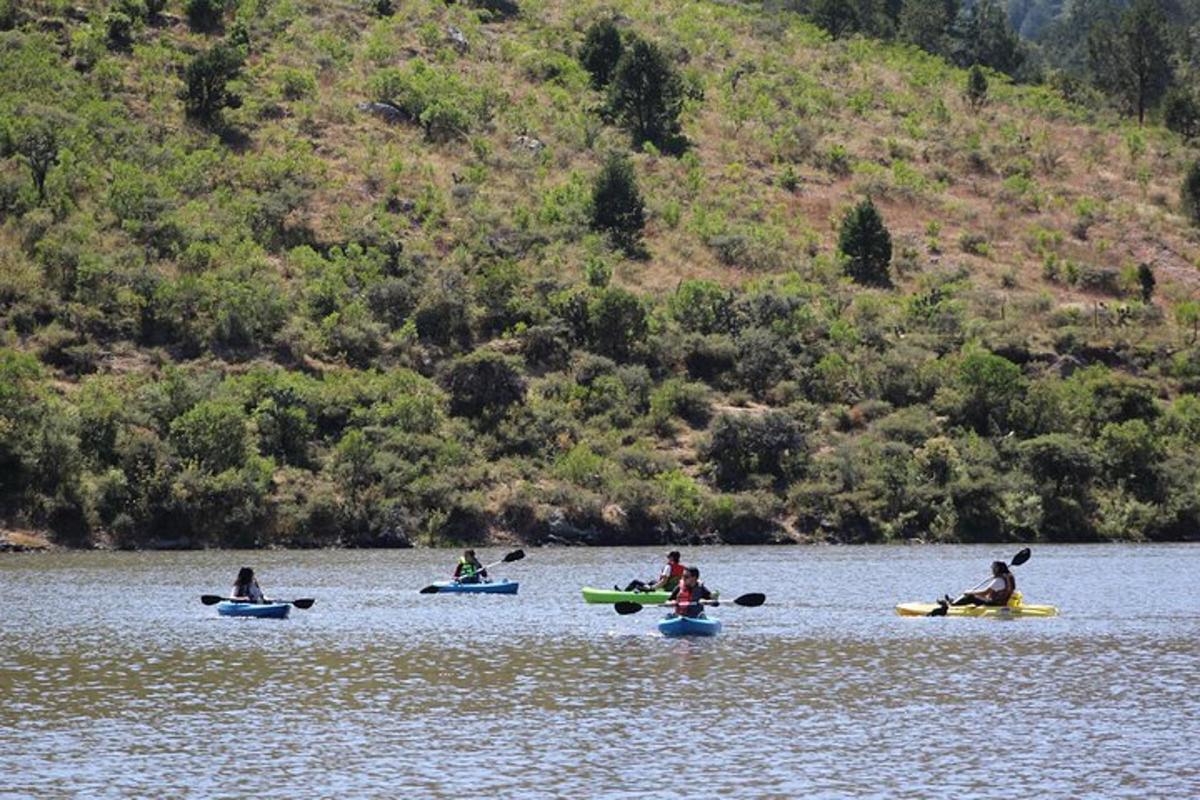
378	273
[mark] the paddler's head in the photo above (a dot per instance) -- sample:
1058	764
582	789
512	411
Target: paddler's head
245	575
673	556
691	577
999	568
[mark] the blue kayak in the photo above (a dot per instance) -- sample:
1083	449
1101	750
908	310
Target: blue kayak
260	610
490	587
689	626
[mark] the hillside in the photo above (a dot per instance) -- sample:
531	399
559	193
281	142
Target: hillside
357	295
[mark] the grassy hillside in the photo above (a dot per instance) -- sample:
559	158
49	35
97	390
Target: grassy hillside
306	319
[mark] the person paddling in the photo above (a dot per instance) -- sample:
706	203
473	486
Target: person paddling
668	577
469	568
688	594
997	592
246	588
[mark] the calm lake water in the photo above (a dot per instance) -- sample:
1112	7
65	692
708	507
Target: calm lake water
116	682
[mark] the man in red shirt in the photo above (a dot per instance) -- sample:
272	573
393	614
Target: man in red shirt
668	578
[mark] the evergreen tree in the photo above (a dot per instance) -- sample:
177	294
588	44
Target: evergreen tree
1181	112
646	95
927	24
617	207
205	94
838	17
1190	194
977	88
601	50
1146	281
866	245
1132	59
983	35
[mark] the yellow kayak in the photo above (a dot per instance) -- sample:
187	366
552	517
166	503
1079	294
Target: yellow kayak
1015	608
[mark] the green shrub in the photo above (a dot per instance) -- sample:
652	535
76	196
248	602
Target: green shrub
617	207
742	445
675	398
701	306
1181	112
205	79
483	385
213	436
601	50
441	102
646	96
866	245
1189	195
204	15
976	90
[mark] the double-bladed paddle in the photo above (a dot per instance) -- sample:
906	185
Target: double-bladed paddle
748	600
515	555
213	599
1020	558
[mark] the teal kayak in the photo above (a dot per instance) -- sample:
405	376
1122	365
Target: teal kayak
259	610
492	587
689	626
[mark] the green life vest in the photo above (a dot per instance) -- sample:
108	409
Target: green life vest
467	568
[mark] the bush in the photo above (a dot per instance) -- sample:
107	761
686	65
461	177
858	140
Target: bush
617	322
483	385
617	207
701	306
213	436
675	398
436	98
646	95
743	445
601	50
866	245
1189	195
1181	112
977	88
205	78
204	15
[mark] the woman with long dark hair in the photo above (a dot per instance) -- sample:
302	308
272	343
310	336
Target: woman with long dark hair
246	589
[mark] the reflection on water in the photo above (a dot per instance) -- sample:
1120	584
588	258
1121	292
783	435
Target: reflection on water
117	682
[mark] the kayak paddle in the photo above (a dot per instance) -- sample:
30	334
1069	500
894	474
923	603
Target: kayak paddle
751	600
515	555
1020	558
212	600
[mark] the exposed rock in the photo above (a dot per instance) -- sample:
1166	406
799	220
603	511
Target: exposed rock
385	111
529	143
458	39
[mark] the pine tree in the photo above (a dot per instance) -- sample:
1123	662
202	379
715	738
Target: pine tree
927	24
977	88
646	95
601	50
1190	194
204	94
1146	280
866	245
617	207
1131	60
983	35
838	17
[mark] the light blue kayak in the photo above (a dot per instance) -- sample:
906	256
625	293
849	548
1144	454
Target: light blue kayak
260	610
491	587
689	626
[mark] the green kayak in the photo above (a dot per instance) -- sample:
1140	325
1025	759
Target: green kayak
591	595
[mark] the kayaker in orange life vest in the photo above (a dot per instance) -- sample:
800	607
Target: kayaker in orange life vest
688	594
469	569
997	592
668	578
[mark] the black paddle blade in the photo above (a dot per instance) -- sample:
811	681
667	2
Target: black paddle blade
941	611
625	607
751	600
431	589
305	602
210	599
515	555
1020	558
